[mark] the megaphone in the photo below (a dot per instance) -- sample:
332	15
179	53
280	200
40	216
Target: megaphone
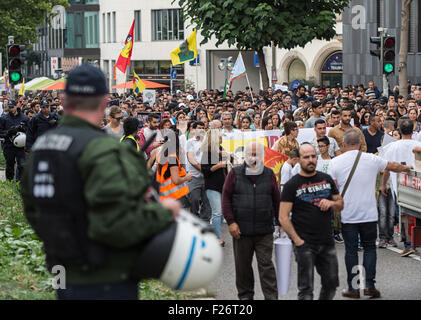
185	256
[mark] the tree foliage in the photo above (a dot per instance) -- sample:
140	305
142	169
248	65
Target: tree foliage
21	19
254	24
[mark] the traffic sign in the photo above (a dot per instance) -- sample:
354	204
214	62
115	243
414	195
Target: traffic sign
173	74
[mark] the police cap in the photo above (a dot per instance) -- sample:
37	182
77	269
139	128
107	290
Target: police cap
86	80
11	103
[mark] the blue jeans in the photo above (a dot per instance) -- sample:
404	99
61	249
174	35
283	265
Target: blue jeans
368	235
215	201
386	216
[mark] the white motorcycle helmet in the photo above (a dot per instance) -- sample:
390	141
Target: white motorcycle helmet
186	256
19	140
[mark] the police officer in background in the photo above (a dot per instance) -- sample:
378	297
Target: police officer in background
40	123
12	124
84	194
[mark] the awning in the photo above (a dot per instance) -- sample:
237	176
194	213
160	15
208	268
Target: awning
57	85
31	83
39	85
148	84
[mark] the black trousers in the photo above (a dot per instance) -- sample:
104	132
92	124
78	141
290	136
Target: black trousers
244	249
116	291
322	257
13	155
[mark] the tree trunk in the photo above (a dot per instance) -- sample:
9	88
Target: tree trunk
403	51
263	69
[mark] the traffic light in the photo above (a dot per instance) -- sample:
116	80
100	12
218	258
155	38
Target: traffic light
389	55
378	42
14	63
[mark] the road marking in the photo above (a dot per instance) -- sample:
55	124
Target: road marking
413	256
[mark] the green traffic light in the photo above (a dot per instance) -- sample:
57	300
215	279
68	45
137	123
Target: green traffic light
15	76
388	67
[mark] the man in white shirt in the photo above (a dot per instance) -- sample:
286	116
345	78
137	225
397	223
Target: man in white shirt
320	129
360	215
286	171
228	131
400	151
196	185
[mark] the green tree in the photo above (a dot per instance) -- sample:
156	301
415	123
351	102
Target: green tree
254	24
21	19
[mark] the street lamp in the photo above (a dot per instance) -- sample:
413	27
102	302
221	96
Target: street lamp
227	65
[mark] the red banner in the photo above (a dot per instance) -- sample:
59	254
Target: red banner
274	160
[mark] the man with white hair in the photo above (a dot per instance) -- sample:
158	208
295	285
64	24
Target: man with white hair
215	124
359	216
250	203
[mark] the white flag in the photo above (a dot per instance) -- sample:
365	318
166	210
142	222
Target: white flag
239	69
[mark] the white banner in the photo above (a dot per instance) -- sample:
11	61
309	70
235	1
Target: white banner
149	96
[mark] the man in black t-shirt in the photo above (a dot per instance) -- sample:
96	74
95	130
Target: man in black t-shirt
311	196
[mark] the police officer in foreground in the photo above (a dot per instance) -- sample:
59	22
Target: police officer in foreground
84	195
40	123
12	127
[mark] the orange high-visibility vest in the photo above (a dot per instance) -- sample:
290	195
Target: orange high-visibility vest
168	189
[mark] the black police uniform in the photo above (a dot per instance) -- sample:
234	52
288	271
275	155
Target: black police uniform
75	195
9	125
38	125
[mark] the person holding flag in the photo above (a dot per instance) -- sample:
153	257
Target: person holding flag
138	85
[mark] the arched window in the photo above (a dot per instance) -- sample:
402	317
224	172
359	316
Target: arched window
332	70
297	70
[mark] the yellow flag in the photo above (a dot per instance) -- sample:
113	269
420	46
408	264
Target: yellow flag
22	89
186	51
138	85
4	77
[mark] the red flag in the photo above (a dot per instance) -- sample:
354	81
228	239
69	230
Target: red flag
126	53
274	160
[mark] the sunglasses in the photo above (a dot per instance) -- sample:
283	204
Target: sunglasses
119	118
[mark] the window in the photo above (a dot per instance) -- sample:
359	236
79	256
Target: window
113	82
137	26
103	28
412	34
114	28
108	27
106	68
148	67
167	24
91	29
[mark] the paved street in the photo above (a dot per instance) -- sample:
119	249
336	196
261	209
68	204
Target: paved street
397	278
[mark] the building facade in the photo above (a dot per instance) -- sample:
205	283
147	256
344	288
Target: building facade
159	28
360	66
70	39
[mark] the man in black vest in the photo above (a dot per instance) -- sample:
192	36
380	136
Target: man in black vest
84	195
250	202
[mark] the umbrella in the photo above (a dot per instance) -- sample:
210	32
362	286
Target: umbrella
148	84
57	85
40	85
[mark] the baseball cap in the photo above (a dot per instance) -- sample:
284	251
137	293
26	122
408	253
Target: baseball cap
189	97
86	80
11	103
383	100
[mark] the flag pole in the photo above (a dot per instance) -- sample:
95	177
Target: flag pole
251	91
197	81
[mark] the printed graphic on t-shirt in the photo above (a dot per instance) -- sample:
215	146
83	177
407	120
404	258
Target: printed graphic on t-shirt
315	192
